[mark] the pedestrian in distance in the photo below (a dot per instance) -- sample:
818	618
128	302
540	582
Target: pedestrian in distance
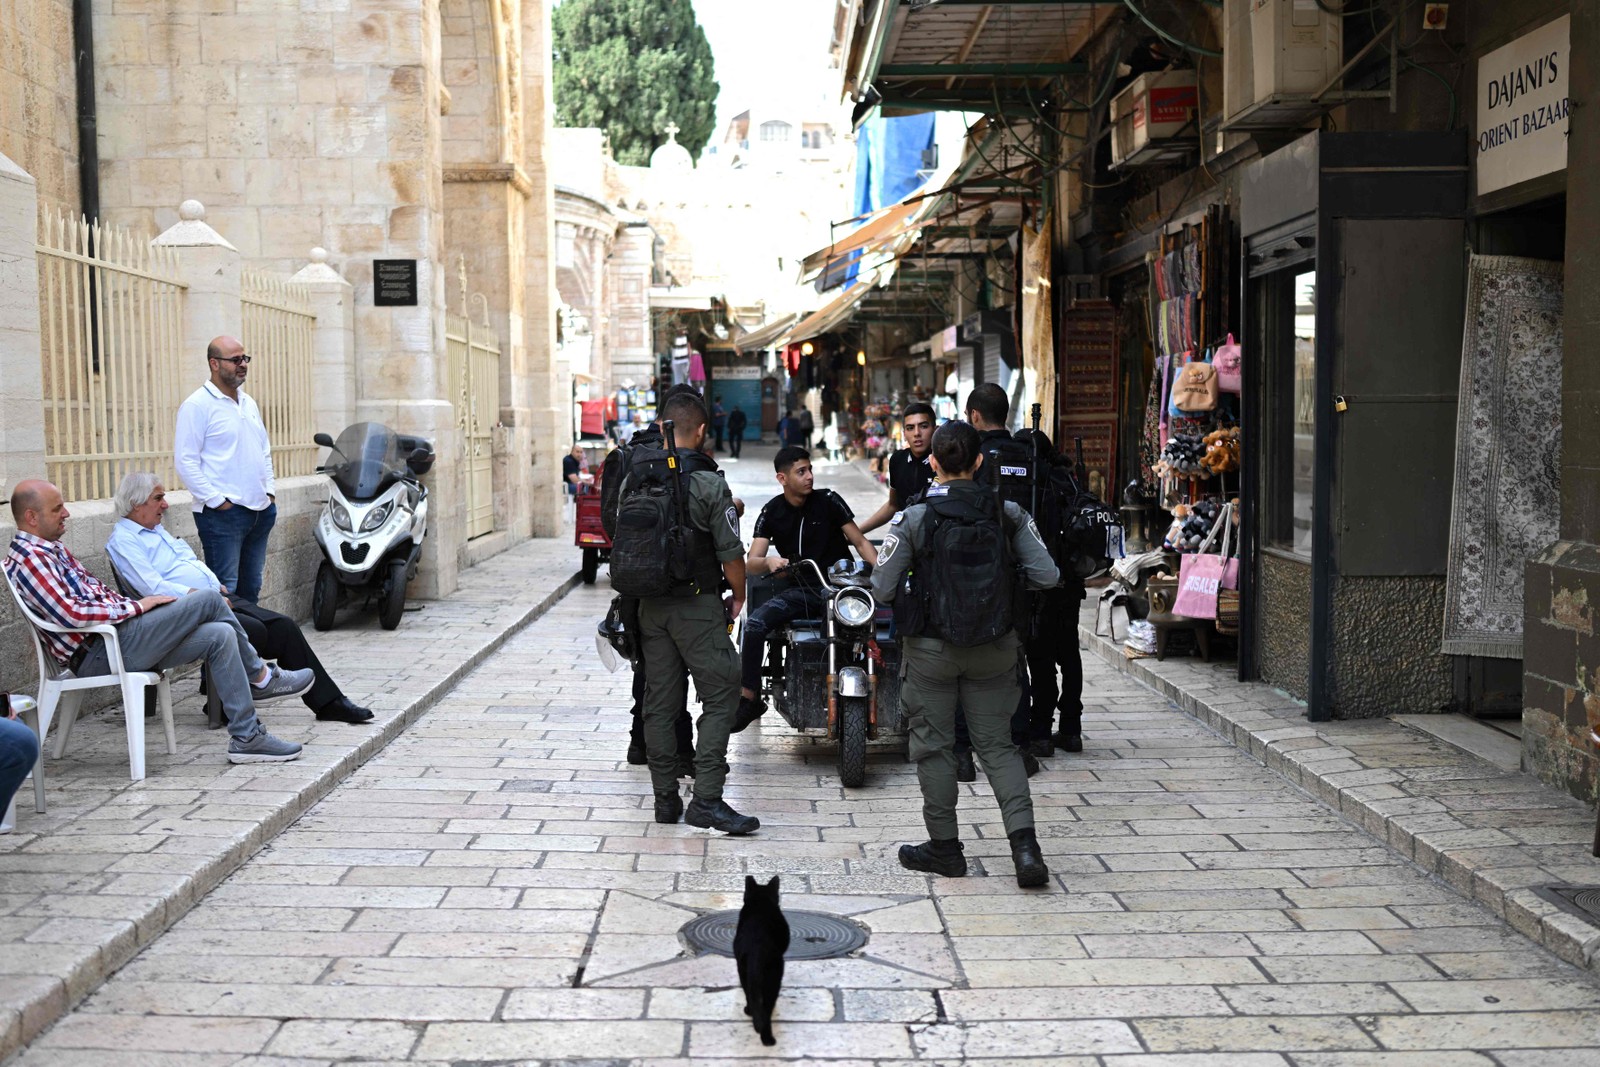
154	632
911	467
719	423
962	554
737	421
677	541
225	460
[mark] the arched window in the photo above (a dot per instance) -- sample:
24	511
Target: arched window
776	131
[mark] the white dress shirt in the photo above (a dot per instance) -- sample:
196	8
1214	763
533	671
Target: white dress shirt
155	563
222	450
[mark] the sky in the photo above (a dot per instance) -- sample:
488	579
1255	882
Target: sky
766	49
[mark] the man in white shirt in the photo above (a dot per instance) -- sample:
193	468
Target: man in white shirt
152	562
226	463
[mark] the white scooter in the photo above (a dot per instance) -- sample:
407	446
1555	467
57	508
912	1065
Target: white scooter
372	528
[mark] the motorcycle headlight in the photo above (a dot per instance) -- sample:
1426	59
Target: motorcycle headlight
853	608
341	518
376	517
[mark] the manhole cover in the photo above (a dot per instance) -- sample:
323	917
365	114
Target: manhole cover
812	935
1580	900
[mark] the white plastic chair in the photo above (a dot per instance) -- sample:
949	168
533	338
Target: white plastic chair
28	711
61	690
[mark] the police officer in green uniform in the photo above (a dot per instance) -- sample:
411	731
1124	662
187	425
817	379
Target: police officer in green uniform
689	627
963	551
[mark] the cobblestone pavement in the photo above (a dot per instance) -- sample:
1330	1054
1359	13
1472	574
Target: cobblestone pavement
491	889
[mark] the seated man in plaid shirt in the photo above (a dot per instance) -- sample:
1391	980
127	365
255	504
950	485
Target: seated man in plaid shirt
155	632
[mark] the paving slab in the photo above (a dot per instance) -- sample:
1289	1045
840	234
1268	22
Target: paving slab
112	864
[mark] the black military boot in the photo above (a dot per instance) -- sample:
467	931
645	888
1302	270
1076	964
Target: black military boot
717	815
935	857
1028	859
750	709
1066	742
669	807
1029	763
637	756
966	770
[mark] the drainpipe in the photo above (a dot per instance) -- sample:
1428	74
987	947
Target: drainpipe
88	146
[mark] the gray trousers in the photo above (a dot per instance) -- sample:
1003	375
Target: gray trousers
199	626
692	632
937	678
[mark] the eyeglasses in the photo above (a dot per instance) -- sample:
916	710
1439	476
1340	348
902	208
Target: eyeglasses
237	361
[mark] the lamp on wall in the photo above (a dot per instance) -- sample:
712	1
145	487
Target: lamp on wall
807	348
861	359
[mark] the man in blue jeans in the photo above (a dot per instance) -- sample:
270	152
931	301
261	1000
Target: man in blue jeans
226	462
19	751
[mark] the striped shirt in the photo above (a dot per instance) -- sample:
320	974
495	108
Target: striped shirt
56	587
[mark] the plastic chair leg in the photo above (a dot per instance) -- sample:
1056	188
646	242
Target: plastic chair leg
39	727
133	715
70	701
164	698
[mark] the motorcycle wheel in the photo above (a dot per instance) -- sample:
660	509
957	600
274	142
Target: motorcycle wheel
324	597
394	596
591	565
853	741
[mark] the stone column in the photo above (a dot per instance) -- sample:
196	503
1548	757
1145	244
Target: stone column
547	396
22	397
1561	665
333	371
209	266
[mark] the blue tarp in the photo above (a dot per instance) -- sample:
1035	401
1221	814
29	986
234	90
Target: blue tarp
889	153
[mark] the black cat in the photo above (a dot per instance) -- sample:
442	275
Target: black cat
758	948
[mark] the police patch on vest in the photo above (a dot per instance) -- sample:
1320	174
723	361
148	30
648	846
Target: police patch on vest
938	490
733	519
1013	472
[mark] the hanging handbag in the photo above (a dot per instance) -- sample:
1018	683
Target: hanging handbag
1229	363
1205	574
1175	375
1195	391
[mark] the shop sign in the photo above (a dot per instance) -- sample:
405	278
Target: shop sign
730	374
1522	107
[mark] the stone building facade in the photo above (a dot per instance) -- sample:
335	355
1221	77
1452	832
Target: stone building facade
38	99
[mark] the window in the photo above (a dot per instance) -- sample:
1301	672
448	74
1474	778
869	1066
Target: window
776	131
1287	332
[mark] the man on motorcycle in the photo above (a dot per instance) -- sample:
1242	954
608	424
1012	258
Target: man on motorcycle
963	554
804	523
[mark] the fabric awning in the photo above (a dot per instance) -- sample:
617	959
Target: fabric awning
892	222
766	336
836	312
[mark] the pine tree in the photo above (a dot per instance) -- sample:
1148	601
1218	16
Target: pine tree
630	67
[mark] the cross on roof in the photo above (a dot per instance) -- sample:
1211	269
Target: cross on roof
671	130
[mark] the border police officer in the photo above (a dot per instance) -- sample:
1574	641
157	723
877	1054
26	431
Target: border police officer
964	553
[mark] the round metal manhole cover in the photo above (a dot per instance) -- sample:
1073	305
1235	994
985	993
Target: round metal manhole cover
812	934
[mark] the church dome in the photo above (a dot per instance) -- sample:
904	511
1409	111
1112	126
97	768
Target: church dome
671	156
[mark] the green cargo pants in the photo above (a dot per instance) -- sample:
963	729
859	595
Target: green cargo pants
938	678
692	631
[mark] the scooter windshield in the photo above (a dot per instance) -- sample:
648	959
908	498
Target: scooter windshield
366	460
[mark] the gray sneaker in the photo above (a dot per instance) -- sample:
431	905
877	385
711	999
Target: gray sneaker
282	683
262	748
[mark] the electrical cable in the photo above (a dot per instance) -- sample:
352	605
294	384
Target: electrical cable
1188	46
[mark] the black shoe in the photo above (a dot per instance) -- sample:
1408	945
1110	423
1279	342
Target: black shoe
716	815
1042	747
750	709
1028	859
1029	764
669	807
966	771
935	857
344	710
1066	742
686	766
637	756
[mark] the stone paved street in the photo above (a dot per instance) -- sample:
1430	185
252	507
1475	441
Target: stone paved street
491	889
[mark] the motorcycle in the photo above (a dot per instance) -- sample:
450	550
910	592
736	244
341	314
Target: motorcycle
371	528
838	677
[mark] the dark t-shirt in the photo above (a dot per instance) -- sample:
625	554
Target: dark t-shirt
815	530
908	476
569	467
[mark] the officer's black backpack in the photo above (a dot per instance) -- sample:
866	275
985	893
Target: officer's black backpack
1087	532
650	544
970	588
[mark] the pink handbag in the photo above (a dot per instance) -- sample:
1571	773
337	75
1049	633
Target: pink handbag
1203	574
1229	363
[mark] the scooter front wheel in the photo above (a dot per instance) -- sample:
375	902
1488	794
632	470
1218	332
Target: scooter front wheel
324	597
394	596
853	741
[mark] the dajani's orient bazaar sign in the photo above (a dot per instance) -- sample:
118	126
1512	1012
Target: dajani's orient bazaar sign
1522	107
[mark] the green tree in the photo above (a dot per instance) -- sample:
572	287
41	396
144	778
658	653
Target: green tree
630	67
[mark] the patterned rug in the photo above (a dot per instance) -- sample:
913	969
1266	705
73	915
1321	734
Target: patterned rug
1508	451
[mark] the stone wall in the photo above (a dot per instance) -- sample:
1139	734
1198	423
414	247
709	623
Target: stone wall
1285	624
38	96
1386	657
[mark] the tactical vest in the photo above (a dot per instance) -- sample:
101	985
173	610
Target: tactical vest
656	551
963	576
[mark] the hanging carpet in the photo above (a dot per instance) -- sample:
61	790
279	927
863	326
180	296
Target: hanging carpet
1507	502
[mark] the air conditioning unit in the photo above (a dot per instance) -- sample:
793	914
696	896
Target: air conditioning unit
1151	120
1298	46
